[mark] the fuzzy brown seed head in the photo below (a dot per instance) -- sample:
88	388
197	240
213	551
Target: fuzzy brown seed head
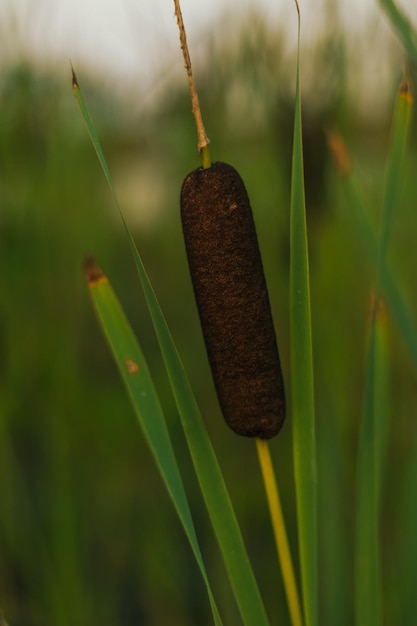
232	300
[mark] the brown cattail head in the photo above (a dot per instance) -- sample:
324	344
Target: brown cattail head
232	299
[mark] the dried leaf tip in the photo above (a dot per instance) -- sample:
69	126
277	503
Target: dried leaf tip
406	91
377	308
74	78
339	152
93	273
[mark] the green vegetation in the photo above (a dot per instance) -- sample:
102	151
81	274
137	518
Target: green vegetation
87	532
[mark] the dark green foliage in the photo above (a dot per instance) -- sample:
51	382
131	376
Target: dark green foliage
87	535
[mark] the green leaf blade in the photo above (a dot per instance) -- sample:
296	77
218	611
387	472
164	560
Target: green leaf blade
388	282
302	386
402	25
372	434
208	472
395	166
368	609
138	381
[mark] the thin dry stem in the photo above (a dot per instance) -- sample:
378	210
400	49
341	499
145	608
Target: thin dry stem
203	140
298	8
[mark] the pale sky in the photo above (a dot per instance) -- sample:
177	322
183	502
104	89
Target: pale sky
134	39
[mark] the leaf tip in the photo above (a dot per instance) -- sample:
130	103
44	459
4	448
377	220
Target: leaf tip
406	90
377	309
74	78
93	272
339	151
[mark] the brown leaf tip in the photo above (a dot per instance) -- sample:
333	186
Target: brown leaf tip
406	89
377	308
339	151
93	273
74	77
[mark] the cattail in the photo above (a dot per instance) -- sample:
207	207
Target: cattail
232	299
230	288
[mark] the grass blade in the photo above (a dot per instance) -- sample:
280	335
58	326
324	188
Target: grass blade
205	462
302	392
393	187
405	604
208	471
145	401
367	562
388	282
402	25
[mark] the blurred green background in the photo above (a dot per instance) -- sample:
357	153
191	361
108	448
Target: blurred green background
87	532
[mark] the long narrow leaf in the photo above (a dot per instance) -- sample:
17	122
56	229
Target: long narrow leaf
394	176
302	392
402	25
207	469
367	560
137	378
388	282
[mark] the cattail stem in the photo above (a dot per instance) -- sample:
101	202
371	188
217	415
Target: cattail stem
280	533
203	140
